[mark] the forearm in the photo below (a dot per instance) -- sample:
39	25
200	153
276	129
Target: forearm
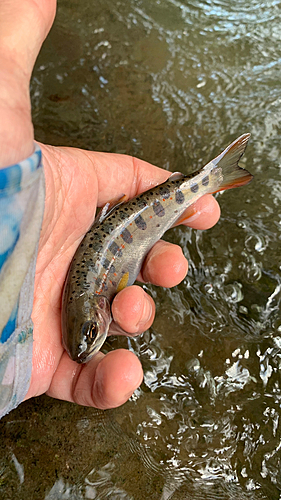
24	24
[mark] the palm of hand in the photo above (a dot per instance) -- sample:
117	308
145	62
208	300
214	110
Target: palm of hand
76	183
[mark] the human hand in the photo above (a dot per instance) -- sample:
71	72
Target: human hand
76	182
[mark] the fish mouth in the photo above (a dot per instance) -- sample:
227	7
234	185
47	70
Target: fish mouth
83	355
81	360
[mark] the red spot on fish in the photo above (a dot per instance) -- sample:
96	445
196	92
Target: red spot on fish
150	216
122	246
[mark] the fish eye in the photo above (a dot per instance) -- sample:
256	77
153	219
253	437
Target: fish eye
90	330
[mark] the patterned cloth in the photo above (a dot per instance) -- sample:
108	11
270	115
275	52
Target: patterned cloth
21	211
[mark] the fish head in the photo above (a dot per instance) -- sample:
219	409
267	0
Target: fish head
85	326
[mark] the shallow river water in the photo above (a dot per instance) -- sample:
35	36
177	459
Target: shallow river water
172	82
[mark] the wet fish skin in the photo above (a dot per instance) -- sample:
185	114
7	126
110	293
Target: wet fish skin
112	252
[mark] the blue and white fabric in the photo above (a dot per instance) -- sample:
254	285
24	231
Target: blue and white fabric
21	212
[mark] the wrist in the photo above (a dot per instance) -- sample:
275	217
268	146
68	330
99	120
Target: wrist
16	130
23	27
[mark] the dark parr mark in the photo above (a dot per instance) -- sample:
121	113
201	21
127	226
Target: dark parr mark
115	249
96	246
140	223
158	209
105	264
205	180
164	192
112	269
194	188
107	227
141	203
122	214
179	197
98	282
126	235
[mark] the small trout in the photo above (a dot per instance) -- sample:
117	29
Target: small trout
112	252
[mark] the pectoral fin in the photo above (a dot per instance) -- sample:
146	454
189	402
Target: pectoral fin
187	214
108	208
123	282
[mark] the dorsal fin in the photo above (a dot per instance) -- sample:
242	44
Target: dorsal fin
175	176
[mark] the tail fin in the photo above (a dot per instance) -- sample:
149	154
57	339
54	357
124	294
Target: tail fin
233	175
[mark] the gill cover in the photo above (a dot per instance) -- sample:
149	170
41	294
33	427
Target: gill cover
85	326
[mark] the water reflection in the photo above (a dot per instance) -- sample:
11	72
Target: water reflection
173	82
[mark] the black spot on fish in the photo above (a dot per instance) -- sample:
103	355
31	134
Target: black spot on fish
194	188
126	235
205	181
158	209
164	193
112	269
115	249
140	223
179	197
